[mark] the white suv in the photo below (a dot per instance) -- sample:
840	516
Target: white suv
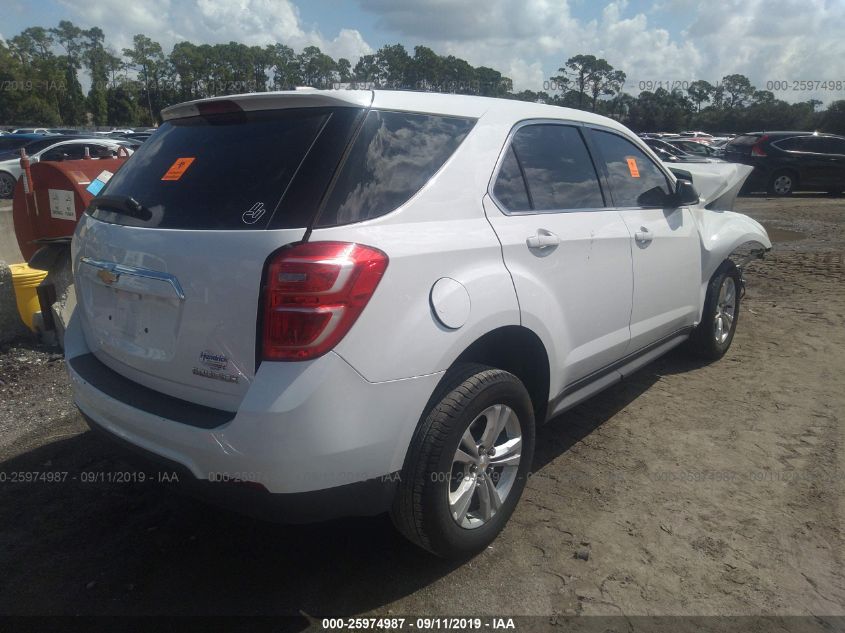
333	303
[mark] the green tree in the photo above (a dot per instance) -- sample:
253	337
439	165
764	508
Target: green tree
95	60
147	58
699	92
72	106
737	89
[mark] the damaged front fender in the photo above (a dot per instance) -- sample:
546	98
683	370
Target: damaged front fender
724	233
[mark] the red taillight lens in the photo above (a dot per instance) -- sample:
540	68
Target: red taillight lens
757	148
314	294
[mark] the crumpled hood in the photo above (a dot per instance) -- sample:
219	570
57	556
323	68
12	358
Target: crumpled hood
717	183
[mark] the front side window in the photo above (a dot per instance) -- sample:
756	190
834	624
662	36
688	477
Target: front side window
557	168
634	179
393	157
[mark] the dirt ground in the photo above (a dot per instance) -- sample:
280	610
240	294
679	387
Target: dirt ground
687	490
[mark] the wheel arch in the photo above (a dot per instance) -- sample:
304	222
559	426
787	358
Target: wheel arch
518	350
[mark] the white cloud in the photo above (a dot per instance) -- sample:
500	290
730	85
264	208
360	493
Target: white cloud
251	22
766	40
763	39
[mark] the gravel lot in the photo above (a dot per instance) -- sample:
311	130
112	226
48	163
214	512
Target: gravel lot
687	490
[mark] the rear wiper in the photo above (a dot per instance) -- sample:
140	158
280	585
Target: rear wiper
121	204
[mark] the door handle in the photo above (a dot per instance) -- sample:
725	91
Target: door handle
643	236
543	239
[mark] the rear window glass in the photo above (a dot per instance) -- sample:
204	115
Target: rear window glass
747	140
510	187
393	156
222	171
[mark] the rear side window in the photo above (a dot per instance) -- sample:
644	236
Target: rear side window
793	144
559	172
510	185
634	179
394	155
221	171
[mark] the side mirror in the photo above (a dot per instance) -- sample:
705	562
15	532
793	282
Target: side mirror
685	193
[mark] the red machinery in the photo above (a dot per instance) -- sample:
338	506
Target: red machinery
49	199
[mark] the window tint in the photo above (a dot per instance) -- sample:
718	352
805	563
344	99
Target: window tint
832	145
71	151
557	167
100	151
221	171
792	144
510	185
634	179
747	139
394	155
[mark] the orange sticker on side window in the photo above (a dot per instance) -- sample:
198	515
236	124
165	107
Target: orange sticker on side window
632	167
179	167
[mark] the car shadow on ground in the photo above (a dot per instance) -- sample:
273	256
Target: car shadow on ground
130	548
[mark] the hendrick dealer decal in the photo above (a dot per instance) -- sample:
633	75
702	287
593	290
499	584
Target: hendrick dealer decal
214	363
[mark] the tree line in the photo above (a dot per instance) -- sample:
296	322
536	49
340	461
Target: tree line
40	83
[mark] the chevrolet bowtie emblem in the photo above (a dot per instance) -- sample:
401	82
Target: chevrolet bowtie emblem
107	276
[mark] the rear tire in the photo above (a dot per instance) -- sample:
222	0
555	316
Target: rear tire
782	183
468	462
7	185
714	335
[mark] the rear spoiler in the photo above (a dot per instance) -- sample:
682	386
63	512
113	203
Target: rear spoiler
272	101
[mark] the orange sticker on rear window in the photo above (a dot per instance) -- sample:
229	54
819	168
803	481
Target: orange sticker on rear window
632	167
179	167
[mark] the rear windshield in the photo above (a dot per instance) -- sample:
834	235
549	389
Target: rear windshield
222	171
393	157
748	139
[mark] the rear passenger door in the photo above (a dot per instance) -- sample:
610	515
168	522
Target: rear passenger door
569	255
665	243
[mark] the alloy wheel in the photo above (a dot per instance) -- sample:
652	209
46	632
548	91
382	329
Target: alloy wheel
725	310
782	185
484	466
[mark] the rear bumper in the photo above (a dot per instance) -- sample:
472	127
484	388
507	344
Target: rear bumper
365	498
302	428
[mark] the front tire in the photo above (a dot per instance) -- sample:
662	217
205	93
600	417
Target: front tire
468	462
714	335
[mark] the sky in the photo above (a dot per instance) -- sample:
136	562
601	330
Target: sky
776	43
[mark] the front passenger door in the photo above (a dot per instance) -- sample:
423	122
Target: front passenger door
665	243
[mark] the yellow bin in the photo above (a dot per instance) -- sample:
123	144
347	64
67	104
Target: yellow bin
25	281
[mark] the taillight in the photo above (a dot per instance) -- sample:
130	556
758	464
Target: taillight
314	294
757	148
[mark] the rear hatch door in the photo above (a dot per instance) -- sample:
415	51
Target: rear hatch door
168	261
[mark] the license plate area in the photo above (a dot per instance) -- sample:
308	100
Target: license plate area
132	316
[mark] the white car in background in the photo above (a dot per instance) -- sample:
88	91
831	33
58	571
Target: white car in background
30	130
376	318
52	148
